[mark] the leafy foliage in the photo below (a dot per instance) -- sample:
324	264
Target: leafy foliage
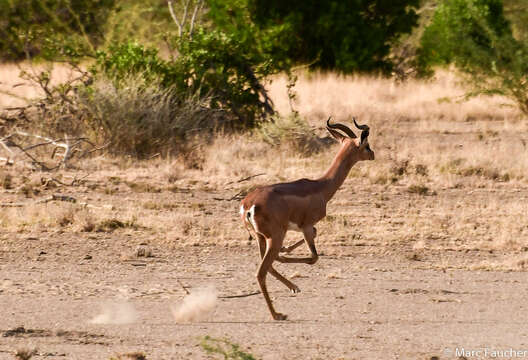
230	71
122	60
517	13
477	38
343	35
212	65
30	27
462	27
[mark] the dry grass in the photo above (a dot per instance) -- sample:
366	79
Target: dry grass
130	356
383	100
25	354
448	175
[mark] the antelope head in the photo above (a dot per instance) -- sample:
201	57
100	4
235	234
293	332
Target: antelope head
357	147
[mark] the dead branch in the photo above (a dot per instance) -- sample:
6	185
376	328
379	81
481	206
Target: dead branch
74	182
239	296
56	197
70	146
42	201
197	9
183	287
7	161
173	15
238	196
35	161
4	145
245	179
181	23
87	152
12	205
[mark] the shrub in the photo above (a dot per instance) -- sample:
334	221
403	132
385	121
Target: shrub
140	104
477	38
141	119
30	27
347	36
290	131
229	71
212	65
121	61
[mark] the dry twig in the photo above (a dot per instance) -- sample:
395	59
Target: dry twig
69	146
54	197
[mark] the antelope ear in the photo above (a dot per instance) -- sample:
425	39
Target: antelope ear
336	134
364	136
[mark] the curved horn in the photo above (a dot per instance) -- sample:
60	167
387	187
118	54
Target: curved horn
341	127
364	130
360	127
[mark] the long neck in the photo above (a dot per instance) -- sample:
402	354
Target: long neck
338	171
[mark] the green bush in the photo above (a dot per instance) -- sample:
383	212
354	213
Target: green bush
477	38
122	60
229	71
51	27
141	103
212	65
346	36
464	32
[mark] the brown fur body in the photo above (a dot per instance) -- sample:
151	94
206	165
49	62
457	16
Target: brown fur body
270	211
300	202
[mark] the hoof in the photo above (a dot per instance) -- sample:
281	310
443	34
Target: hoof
312	260
279	316
285	250
295	290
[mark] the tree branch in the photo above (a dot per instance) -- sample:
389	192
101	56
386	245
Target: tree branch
173	15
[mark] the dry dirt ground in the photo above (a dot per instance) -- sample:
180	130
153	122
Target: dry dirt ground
424	251
62	266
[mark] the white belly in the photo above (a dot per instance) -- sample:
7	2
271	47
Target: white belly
294	227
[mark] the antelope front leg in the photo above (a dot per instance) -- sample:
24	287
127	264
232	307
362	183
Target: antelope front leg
290	248
309	236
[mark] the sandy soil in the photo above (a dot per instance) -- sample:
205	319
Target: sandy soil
366	298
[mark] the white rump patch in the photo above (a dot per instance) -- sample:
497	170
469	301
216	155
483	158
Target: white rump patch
294	227
251	216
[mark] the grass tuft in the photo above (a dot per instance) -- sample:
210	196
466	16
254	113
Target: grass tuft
292	132
225	348
420	190
25	354
6	180
130	356
110	225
